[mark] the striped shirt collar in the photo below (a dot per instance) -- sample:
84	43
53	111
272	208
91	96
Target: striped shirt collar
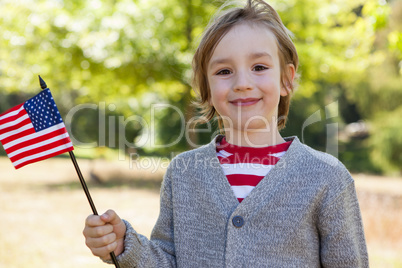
222	144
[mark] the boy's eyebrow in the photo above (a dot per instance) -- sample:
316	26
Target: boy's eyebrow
254	55
257	55
218	61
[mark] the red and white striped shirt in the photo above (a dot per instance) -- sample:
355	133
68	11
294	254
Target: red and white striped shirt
245	167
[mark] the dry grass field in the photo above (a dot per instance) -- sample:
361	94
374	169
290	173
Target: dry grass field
43	208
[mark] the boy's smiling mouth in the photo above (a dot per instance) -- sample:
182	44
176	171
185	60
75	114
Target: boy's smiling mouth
245	102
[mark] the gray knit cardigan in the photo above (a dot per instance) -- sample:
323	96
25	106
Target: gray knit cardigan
304	213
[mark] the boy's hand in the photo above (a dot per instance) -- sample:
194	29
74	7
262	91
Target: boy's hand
104	234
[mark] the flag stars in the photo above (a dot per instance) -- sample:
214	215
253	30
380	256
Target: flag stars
43	111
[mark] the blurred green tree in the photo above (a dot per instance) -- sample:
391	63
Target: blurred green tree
334	41
130	54
379	95
125	56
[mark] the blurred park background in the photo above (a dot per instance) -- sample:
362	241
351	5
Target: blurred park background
120	72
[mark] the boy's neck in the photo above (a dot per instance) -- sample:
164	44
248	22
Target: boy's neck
254	139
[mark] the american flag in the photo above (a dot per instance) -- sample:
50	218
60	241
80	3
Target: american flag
34	131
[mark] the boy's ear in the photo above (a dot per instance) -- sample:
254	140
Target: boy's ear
290	76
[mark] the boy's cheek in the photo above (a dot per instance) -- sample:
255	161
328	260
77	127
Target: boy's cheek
222	86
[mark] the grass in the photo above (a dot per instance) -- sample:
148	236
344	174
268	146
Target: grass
43	209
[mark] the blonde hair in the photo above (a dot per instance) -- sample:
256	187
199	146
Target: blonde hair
258	12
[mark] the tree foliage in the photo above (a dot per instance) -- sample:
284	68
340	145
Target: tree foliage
125	56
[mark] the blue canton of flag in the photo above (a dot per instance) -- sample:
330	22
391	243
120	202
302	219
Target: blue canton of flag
42	111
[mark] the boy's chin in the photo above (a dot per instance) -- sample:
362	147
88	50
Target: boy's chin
255	127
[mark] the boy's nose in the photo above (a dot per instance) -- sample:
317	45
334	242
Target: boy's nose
242	81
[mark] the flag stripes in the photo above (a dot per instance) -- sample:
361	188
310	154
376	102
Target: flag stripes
21	121
23	139
47	142
43	155
12	112
33	131
26	152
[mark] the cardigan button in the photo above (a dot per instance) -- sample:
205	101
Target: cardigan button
238	221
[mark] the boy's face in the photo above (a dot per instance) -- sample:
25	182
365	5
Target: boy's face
244	78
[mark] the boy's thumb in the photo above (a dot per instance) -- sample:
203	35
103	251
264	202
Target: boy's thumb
111	217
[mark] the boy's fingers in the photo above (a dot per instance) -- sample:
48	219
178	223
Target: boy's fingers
108	217
104	234
98	231
100	242
104	252
93	221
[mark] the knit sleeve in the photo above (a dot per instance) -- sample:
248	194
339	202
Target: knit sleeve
159	251
342	242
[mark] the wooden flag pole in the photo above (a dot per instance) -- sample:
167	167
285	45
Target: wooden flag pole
91	203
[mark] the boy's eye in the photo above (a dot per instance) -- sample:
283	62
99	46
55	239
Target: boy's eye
259	68
223	72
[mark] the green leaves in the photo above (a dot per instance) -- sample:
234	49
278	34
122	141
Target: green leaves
135	53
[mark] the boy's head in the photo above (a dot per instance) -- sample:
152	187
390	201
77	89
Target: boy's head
255	12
